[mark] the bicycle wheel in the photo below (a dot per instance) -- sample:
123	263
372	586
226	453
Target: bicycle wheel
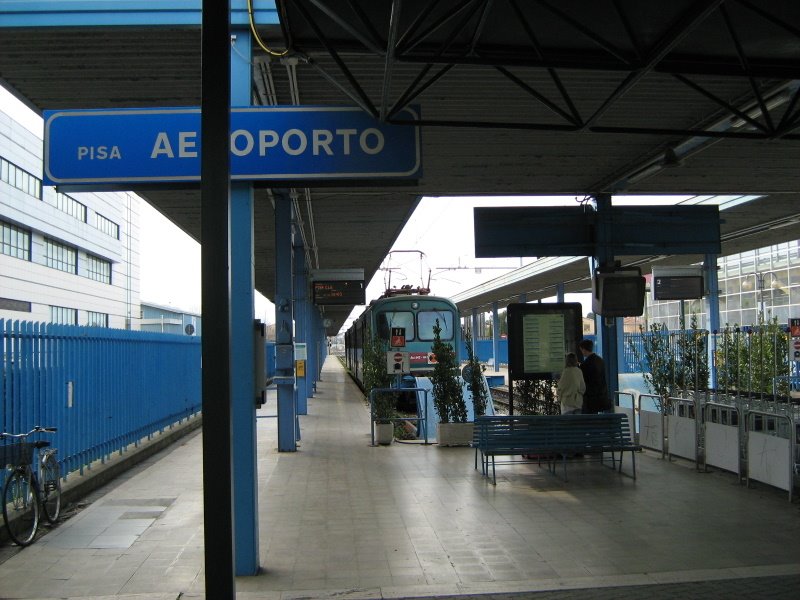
51	487
21	507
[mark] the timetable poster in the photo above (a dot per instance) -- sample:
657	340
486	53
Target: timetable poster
543	342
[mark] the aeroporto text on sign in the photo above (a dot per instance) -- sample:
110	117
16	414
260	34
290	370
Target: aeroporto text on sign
282	143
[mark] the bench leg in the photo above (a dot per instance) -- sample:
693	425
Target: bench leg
494	475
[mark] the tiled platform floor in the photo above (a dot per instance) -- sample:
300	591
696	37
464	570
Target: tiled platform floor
341	518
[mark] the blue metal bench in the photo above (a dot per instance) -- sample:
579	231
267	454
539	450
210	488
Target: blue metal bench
552	438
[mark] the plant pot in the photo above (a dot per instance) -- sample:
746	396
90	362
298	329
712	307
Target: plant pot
455	434
384	433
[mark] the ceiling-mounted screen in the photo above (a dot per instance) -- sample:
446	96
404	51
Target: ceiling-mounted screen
339	292
619	294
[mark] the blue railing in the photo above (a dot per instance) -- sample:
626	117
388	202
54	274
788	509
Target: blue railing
104	389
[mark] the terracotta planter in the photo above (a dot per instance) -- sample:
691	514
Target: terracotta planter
455	434
384	433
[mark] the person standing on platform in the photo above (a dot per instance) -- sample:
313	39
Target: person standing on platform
571	387
596	399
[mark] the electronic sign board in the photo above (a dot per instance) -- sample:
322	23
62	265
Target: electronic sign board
339	292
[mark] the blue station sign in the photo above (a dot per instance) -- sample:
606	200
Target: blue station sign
281	143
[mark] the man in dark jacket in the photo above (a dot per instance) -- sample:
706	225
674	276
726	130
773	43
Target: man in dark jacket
596	398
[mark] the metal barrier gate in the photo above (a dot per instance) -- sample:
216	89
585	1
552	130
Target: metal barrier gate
771	457
723	430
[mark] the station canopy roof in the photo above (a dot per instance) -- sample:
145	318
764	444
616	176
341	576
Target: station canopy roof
516	98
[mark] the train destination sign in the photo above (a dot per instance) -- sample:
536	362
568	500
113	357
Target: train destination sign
339	292
280	143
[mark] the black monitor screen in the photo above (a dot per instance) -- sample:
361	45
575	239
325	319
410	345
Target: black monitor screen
683	287
620	295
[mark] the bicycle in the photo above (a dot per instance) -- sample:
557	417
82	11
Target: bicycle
22	495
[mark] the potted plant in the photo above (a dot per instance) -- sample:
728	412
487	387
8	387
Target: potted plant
376	377
473	375
448	396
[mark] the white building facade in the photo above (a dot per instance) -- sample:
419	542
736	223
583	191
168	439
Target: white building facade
69	258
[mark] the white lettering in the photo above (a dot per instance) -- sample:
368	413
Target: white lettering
187	141
322	139
286	142
379	141
98	152
346	134
267	138
162	146
249	142
293	142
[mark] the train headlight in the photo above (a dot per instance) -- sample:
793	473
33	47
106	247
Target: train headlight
415	305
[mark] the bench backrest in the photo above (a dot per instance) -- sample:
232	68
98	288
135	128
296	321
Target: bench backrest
607	430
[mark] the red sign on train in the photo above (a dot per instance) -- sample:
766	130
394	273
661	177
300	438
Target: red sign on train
398	337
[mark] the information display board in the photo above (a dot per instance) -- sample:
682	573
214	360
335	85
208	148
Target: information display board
339	292
540	336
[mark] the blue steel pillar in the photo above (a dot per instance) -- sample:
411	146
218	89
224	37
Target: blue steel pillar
475	331
560	292
245	473
284	325
313	348
607	346
301	323
495	337
711	276
523	298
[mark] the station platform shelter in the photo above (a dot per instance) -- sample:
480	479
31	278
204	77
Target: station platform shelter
343	519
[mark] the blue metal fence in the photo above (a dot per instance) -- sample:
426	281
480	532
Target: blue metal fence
104	389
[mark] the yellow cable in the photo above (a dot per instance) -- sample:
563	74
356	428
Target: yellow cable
257	37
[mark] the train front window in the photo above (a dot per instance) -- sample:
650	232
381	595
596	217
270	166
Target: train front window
426	319
391	320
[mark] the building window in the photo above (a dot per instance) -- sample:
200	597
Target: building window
63	316
15	241
96	319
98	269
17	305
61	257
20	178
107	226
72	207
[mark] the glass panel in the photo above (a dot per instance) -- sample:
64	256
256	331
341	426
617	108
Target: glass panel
427	319
749	317
402	319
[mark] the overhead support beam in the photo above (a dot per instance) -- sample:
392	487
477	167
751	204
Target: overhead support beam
693	17
405	47
743	60
727	106
394	25
372	44
365	102
576	119
588	32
